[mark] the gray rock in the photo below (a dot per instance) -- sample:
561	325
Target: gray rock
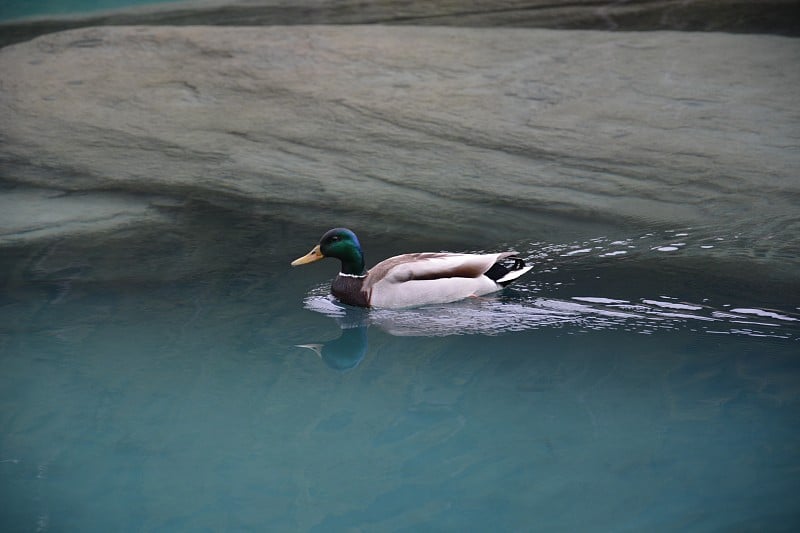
474	134
766	16
31	214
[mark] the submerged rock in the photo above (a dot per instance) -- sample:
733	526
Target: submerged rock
472	134
32	213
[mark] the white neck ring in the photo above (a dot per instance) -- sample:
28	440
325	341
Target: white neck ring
352	275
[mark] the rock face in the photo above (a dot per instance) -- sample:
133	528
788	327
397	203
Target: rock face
741	16
432	129
32	214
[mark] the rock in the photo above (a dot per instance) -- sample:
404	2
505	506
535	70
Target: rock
31	214
766	16
471	134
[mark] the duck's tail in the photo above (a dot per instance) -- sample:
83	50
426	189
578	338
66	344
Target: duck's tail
504	271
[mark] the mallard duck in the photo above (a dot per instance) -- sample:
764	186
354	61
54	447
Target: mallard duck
411	280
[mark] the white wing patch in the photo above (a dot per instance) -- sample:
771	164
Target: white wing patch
514	274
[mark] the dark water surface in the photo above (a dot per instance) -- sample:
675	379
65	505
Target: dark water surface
156	383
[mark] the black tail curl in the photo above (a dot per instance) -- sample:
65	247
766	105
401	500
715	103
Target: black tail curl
500	269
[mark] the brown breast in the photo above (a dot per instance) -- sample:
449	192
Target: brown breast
350	290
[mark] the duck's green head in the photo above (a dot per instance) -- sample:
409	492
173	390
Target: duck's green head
342	244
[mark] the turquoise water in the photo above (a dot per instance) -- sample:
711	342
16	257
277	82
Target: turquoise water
156	382
14	9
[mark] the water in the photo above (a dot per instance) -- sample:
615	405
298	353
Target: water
14	9
188	379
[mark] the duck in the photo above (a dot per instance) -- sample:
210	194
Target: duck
414	279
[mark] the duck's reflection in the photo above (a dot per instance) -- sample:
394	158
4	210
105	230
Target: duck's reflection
344	353
348	350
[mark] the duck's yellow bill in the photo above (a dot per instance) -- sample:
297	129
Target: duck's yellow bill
314	255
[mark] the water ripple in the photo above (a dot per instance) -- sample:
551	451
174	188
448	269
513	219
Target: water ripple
519	312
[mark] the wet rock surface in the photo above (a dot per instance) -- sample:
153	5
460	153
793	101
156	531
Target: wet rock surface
766	16
471	134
